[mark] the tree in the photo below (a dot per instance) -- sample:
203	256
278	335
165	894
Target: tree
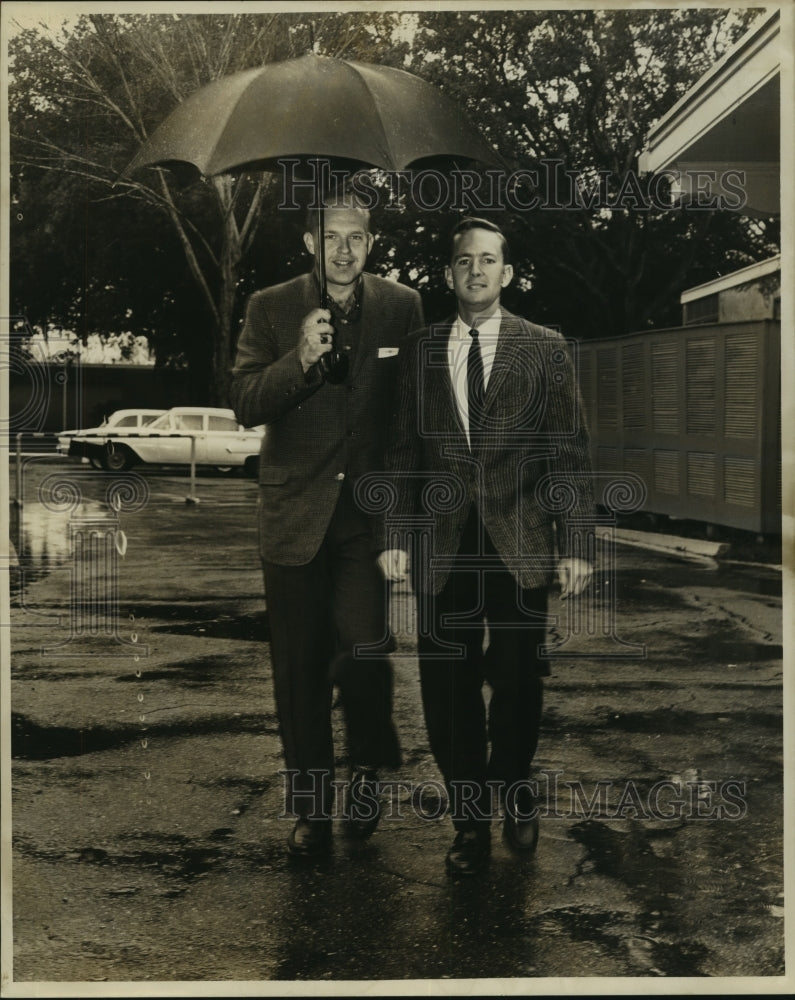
79	108
571	95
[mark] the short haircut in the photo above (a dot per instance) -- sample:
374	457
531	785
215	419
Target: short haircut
471	222
344	199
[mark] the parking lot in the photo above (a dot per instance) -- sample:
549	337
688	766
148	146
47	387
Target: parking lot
147	820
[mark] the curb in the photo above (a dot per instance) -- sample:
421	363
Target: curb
672	544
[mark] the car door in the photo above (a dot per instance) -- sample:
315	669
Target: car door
193	425
221	439
169	443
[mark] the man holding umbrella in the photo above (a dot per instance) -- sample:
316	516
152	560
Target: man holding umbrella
325	429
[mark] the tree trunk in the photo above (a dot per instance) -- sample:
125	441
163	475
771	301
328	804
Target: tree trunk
227	299
219	386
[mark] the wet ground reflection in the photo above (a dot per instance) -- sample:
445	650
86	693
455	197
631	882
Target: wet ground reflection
41	537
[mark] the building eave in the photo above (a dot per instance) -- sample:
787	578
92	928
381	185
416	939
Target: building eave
751	65
741	277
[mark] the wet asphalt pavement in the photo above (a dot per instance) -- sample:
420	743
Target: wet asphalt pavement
148	842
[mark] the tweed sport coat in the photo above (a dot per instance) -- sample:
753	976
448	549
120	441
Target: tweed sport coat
317	434
528	472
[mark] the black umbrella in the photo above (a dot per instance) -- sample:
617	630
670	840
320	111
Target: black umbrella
311	107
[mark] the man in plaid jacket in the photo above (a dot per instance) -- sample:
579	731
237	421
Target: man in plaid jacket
489	463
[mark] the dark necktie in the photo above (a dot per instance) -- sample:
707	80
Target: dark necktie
475	384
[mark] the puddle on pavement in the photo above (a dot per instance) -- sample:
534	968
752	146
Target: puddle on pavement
630	859
751	579
41	536
720	650
748	578
169	856
687	723
247	626
206	671
671	721
669	576
187	862
643	953
30	741
212	620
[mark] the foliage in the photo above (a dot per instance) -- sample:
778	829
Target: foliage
164	255
173	258
581	89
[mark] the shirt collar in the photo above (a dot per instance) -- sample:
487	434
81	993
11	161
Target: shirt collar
489	326
355	303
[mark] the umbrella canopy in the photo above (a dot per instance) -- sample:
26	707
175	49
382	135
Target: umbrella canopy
313	106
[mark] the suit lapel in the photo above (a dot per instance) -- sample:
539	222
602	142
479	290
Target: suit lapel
311	293
504	358
367	328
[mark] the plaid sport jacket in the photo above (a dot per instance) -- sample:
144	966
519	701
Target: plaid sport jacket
528	472
317	434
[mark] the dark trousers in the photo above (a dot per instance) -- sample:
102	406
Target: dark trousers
481	749
318	614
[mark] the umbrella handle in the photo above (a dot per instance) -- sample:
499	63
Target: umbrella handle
321	239
333	365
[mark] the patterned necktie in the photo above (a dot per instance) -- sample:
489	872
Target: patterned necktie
475	384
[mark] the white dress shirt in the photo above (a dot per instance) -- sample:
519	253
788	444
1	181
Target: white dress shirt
458	352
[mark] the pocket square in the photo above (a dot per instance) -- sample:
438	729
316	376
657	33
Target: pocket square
387	352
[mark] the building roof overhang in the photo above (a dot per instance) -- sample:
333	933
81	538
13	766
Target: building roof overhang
729	120
744	276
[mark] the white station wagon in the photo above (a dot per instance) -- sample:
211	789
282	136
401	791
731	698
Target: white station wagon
132	419
220	441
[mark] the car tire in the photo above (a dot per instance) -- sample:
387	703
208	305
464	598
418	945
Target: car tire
225	470
119	459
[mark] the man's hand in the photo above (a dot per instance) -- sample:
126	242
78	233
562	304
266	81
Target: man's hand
316	337
393	564
574	575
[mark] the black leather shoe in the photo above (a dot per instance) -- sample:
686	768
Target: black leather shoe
469	853
520	834
310	838
364	805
